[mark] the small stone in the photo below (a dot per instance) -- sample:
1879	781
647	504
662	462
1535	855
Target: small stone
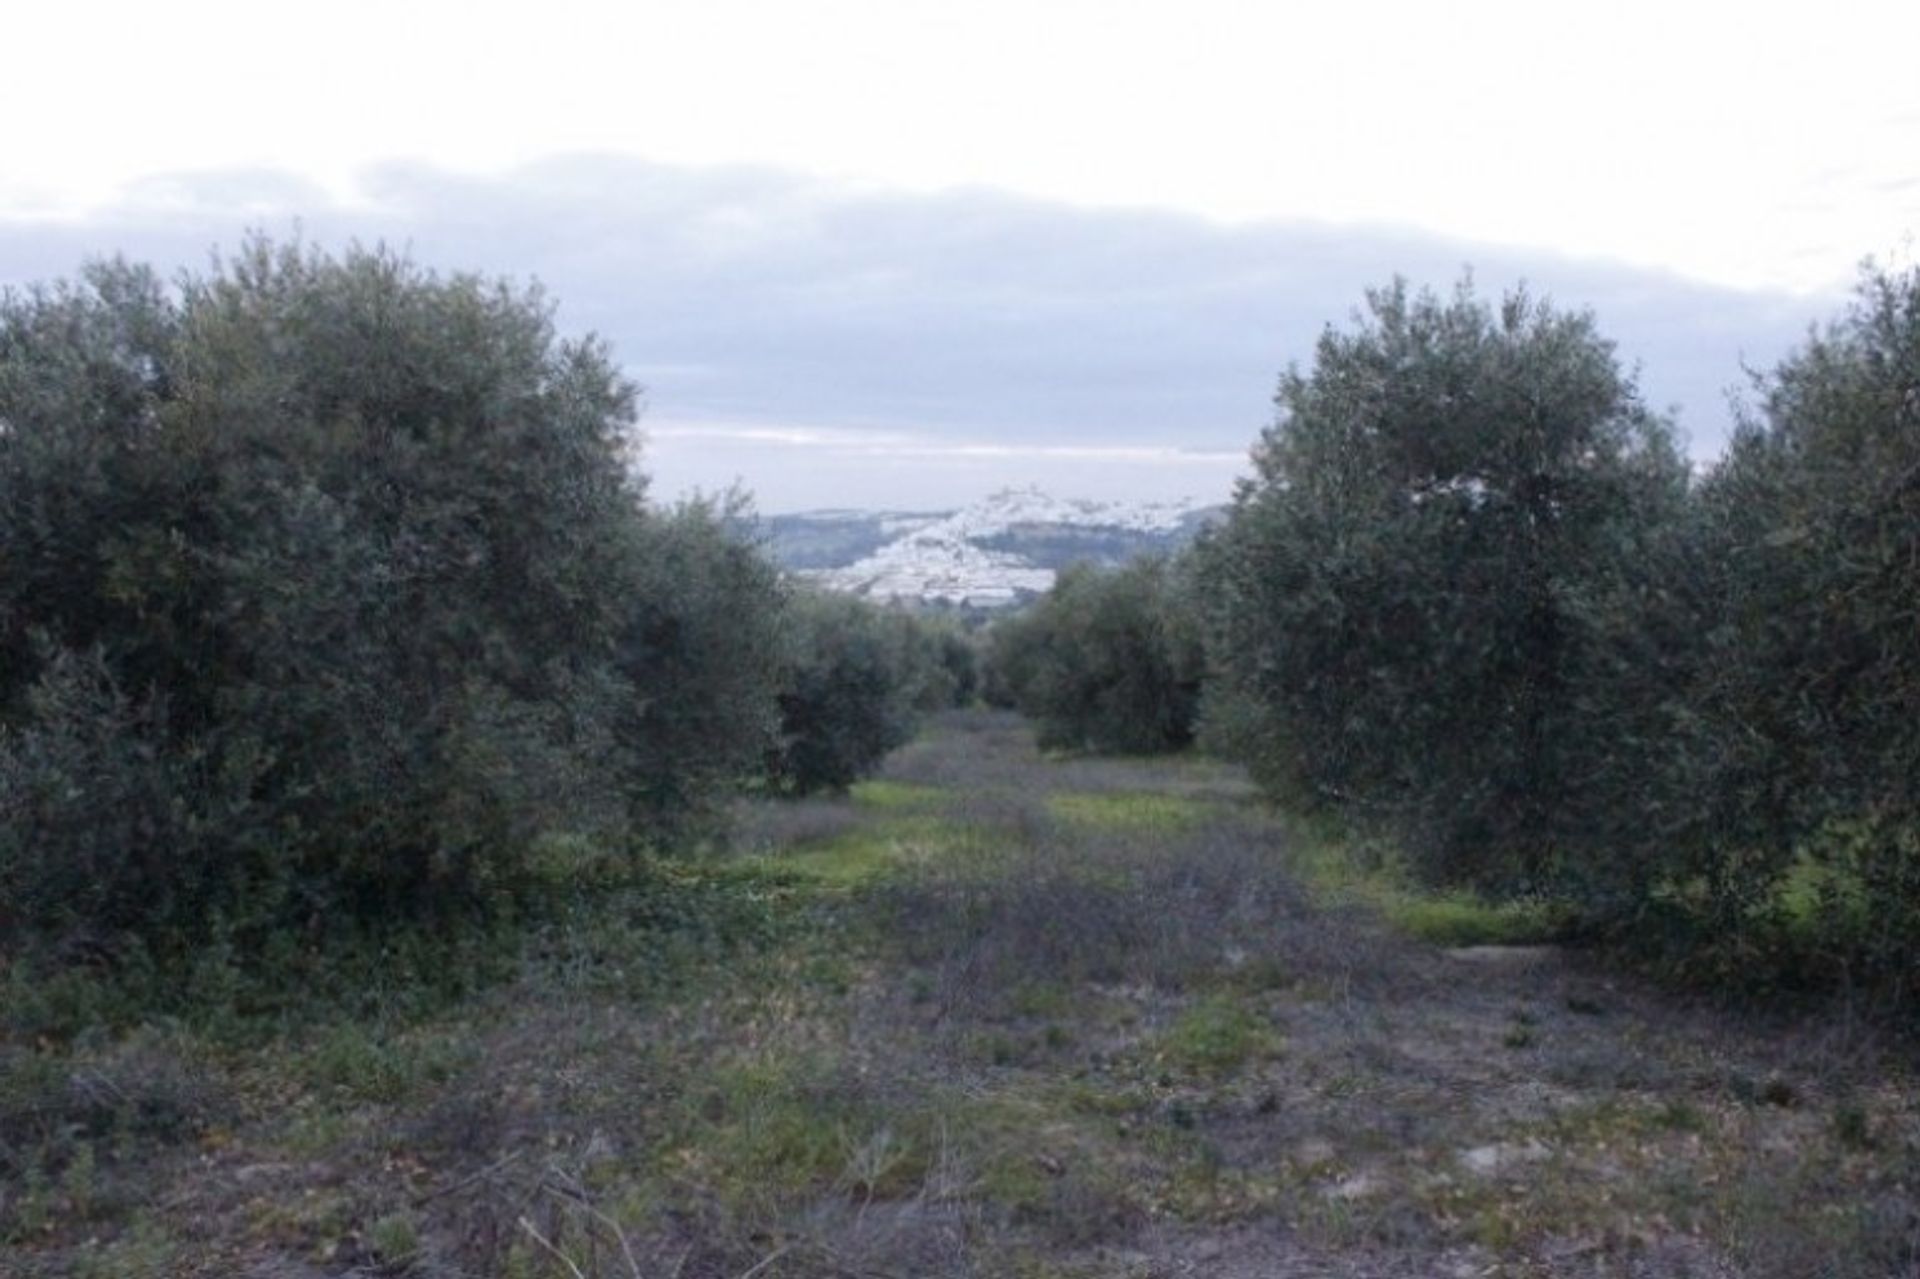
1518	956
1359	1186
1482	1159
1487	1160
600	1151
1313	1152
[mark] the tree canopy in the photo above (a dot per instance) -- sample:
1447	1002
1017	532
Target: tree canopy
1425	591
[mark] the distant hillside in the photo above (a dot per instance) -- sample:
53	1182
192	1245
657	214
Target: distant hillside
991	554
835	539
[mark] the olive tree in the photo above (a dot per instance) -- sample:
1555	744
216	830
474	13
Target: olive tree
1813	693
1107	660
703	651
854	679
1430	600
326	588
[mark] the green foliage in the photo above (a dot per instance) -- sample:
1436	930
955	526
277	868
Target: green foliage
1218	1036
854	678
958	660
1431	597
1811	701
325	592
701	648
103	830
1470	595
1108	660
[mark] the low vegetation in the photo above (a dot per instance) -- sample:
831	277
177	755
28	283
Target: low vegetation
978	1018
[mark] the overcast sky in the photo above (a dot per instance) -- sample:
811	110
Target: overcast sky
898	253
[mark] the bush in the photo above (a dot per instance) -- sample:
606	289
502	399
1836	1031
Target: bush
1812	699
107	828
1436	600
1108	660
853	681
325	590
702	651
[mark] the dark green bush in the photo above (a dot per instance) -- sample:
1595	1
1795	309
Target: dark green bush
1431	602
1108	660
1812	697
325	591
702	652
854	679
109	826
961	661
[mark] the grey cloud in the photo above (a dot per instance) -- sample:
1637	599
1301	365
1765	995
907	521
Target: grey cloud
751	296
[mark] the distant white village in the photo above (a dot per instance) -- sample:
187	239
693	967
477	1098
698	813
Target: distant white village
1001	549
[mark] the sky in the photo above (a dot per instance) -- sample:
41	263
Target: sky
894	253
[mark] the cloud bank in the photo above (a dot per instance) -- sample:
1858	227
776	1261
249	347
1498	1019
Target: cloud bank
832	345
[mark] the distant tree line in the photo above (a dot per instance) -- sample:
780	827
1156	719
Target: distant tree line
1475	597
328	592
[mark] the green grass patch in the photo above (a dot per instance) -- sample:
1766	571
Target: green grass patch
596	912
1128	810
1460	919
1345	870
780	1129
1218	1036
1825	897
867	853
850	860
891	797
356	1062
1041	999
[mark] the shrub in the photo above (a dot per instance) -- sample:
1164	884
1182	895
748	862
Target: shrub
1433	597
325	590
107	828
1108	660
702	652
853	679
1812	699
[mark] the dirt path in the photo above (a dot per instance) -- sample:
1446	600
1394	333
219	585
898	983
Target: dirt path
996	1015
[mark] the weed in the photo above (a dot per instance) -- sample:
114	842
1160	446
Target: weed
358	1063
395	1239
1218	1036
144	1247
890	795
1344	867
1128	811
1852	1126
1040	999
764	826
1679	1115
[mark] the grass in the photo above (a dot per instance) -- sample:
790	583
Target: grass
887	795
1218	1036
1139	811
1343	869
990	1014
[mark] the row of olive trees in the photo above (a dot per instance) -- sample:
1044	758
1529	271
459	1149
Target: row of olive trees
1474	595
327	591
1473	592
856	681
